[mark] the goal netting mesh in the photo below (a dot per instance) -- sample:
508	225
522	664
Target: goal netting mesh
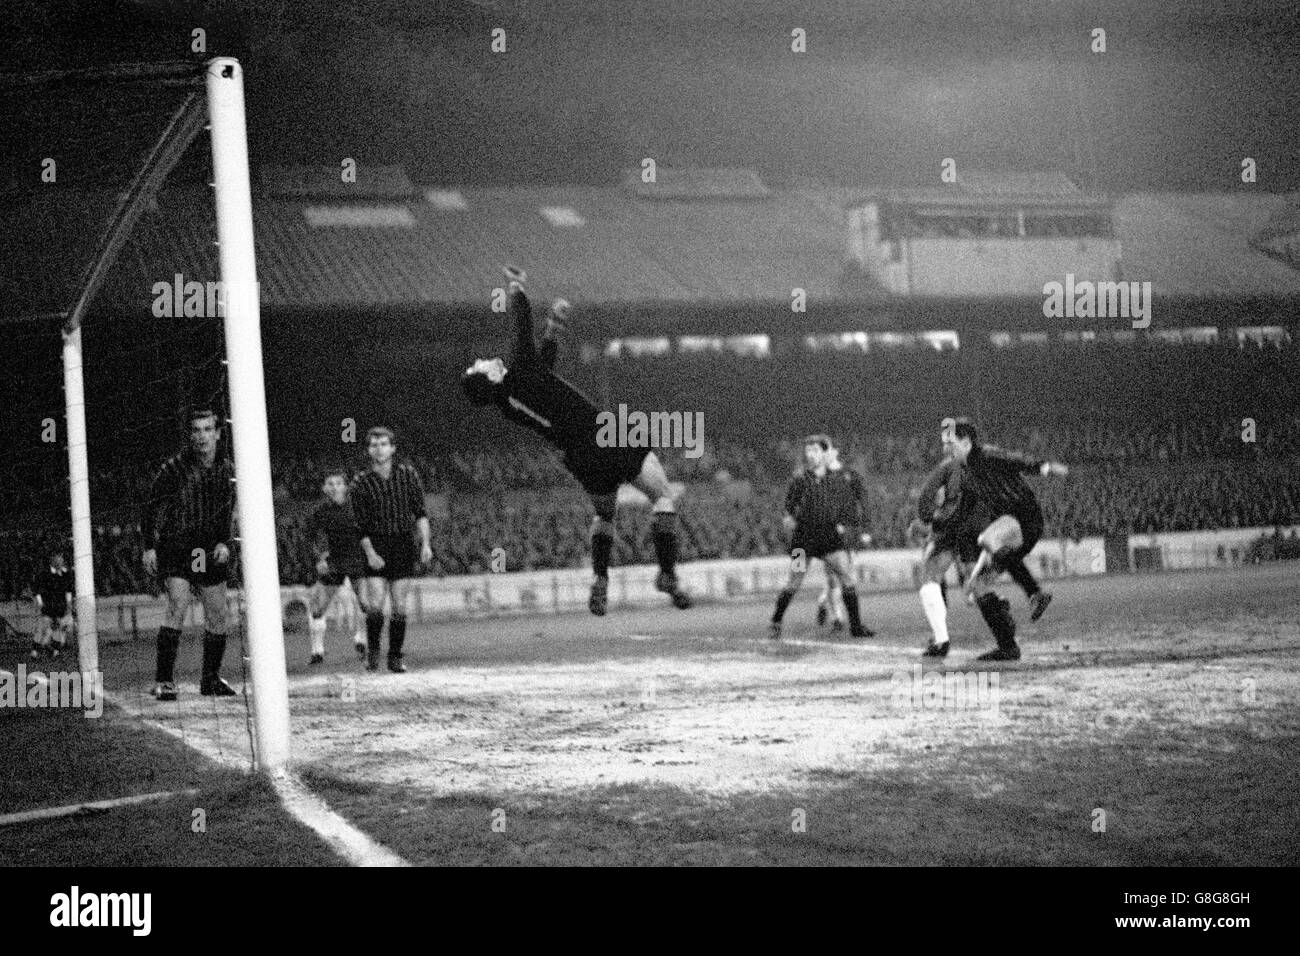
110	226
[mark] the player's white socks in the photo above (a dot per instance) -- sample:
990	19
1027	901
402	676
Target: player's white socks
317	627
936	612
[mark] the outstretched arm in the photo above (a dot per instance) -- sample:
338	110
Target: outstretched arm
551	336
521	311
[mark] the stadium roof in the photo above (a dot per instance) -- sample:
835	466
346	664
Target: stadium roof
598	244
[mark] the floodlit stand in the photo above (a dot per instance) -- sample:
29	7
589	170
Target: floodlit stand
258	554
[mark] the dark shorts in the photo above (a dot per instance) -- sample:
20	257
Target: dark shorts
817	542
334	577
177	561
600	471
398	552
959	541
54	615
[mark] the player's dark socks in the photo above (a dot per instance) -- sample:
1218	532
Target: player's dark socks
601	546
782	603
214	650
396	636
664	533
943	592
1024	577
374	637
169	642
997	616
850	596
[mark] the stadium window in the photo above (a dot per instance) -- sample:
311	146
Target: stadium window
893	340
1262	335
1001	340
638	348
837	342
941	341
359	217
749	346
1079	338
446	200
562	217
1033	338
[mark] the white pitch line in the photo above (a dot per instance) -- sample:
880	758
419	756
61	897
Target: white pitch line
298	801
50	813
872	648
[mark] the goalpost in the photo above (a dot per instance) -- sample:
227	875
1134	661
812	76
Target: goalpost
222	86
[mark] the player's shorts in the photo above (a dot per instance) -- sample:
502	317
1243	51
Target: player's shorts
817	542
336	574
53	618
601	471
177	561
959	541
1031	530
398	552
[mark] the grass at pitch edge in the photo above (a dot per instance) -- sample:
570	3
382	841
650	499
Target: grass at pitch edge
56	758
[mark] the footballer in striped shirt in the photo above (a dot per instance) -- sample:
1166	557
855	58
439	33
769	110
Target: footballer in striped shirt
188	529
388	502
819	506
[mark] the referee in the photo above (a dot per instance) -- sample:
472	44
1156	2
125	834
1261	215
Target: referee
386	500
818	506
188	528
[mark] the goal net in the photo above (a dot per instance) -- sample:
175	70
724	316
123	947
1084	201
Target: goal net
127	268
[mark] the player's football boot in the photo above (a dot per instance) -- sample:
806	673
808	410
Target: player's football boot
165	690
317	659
861	630
837	627
359	644
821	615
216	687
936	649
1010	652
774	630
668	584
598	603
395	664
1038	603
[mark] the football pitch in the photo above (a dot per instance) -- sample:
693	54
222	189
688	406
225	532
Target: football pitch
1154	720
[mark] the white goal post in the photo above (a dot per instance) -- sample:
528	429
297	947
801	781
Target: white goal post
223	79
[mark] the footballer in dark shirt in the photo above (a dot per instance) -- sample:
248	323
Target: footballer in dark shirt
50	591
188	527
528	392
335	541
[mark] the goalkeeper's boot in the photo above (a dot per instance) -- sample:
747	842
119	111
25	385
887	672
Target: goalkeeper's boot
165	690
598	603
395	664
216	687
1038	604
317	659
936	649
668	584
861	630
774	630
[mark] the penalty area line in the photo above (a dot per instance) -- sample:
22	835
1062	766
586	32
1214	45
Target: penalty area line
52	813
298	800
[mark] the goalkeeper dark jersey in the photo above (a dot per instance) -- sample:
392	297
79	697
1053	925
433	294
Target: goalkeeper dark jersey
534	396
190	504
992	478
537	398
